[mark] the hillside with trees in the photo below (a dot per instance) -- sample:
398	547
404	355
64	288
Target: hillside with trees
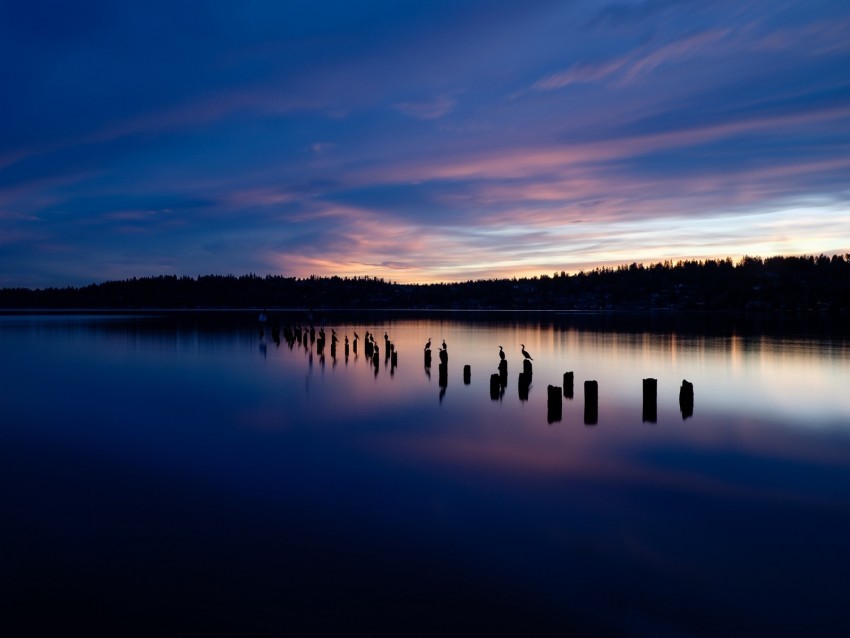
806	283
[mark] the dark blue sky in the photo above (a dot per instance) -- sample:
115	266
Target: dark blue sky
417	141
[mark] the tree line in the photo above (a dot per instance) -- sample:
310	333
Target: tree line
791	283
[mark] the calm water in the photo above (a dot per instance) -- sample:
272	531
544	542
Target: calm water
185	474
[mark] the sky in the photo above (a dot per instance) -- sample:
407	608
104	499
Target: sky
417	141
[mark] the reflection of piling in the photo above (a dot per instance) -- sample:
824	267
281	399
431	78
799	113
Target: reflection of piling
568	385
428	358
591	402
467	374
686	399
444	375
650	400
554	404
523	385
495	386
503	373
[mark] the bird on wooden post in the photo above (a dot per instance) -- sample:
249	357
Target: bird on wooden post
501	353
525	354
428	345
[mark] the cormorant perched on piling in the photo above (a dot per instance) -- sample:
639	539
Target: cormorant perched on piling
525	354
444	345
501	353
428	345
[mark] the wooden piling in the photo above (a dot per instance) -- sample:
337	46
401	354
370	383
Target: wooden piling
568	385
467	374
495	386
427	358
554	404
503	373
526	367
686	399
523	385
650	400
591	402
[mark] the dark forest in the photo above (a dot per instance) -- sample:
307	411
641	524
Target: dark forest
807	283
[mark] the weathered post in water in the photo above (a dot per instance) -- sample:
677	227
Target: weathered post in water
591	402
523	385
554	404
495	386
428	358
568	385
443	375
526	367
686	399
503	373
650	400
467	374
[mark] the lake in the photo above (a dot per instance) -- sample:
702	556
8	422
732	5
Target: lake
182	473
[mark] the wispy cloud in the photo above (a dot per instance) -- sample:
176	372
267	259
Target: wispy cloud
428	110
631	67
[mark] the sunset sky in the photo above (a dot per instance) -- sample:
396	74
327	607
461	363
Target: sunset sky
417	141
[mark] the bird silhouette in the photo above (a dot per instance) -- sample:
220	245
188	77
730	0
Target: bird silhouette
428	345
525	354
444	345
501	353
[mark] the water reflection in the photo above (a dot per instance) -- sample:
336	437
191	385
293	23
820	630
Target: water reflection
164	441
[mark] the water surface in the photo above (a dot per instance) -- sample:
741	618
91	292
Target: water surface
187	473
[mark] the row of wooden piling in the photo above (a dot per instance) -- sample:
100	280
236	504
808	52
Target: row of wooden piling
555	396
499	381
